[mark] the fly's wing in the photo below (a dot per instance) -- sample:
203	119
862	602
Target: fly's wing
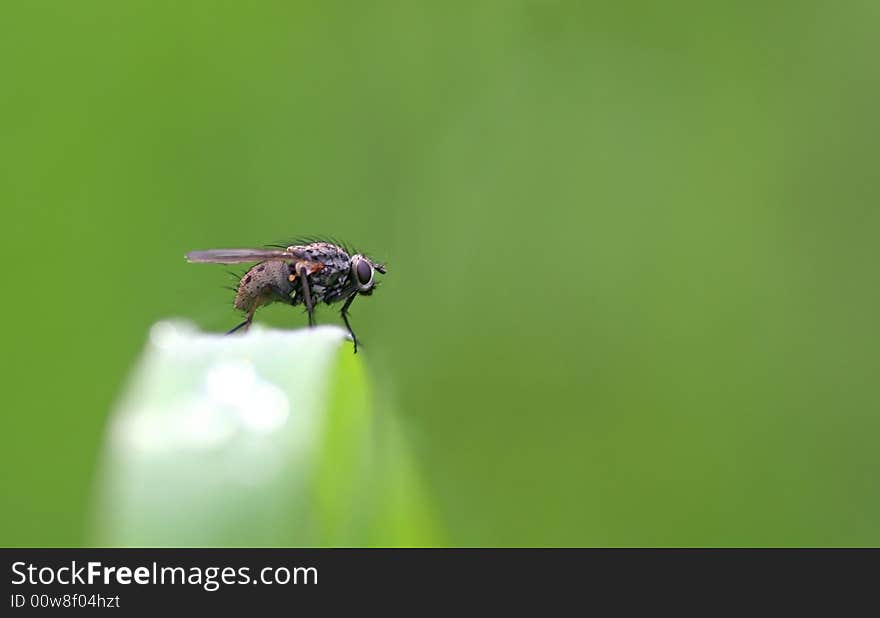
237	256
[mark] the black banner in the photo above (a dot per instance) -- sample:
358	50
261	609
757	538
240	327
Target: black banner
123	580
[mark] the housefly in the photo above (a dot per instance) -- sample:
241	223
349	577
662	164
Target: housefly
308	274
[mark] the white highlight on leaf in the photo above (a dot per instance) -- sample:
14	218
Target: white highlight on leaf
203	425
231	382
165	335
259	405
268	409
233	399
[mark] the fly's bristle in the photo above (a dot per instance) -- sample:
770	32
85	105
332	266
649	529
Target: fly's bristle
307	240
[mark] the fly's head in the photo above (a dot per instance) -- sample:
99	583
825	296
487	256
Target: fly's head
363	272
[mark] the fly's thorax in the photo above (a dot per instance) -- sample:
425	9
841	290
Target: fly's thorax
324	252
327	266
264	283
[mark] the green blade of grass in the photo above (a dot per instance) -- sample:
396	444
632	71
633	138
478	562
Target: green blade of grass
266	439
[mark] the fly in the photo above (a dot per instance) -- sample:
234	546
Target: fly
305	274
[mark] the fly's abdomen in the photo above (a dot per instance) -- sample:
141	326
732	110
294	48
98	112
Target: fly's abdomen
265	283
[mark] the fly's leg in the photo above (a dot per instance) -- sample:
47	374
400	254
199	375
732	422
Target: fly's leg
244	325
344	313
307	294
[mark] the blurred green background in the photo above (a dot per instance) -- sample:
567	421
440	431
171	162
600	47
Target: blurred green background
632	247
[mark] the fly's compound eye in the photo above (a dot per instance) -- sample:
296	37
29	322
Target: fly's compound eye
363	271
